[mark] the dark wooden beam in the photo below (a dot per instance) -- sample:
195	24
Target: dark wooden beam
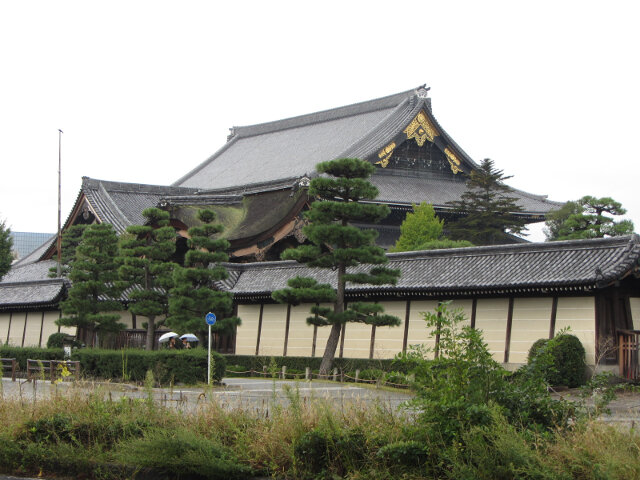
507	341
554	314
286	330
259	329
405	338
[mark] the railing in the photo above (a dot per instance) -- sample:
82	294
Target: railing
628	354
37	369
10	364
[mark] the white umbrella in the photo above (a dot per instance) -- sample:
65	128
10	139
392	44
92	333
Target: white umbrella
189	337
165	337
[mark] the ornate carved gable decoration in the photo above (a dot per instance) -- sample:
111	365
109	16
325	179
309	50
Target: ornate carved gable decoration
421	129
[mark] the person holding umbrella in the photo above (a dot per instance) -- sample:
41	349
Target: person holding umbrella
187	338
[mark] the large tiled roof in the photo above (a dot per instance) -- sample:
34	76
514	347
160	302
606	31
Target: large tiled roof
28	287
438	192
292	147
506	269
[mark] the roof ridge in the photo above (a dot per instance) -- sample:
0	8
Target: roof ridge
133	187
322	115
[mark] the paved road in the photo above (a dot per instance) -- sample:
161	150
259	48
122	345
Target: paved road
248	393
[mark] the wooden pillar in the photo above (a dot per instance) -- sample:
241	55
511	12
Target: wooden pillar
552	320
133	321
436	351
9	329
59	317
372	344
41	328
315	337
286	330
474	308
24	330
405	339
259	329
507	341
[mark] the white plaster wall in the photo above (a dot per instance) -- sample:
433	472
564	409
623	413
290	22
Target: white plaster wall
247	333
357	340
273	329
4	326
50	327
300	333
635	312
389	339
531	321
491	319
32	332
419	334
17	328
578	313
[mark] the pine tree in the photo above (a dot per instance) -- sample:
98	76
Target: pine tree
71	238
96	288
6	245
337	245
420	226
194	293
145	259
585	218
486	210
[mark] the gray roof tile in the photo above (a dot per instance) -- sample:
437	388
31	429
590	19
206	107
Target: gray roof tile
554	265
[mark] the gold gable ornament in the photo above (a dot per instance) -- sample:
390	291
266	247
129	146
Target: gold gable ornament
421	129
385	154
453	160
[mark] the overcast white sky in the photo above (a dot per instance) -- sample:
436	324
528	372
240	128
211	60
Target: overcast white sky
145	91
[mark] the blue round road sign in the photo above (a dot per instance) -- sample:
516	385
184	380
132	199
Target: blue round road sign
210	318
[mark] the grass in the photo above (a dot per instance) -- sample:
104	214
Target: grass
92	435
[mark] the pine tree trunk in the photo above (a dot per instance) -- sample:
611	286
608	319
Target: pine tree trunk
334	336
151	333
330	349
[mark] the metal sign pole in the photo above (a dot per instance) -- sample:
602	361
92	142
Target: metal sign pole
209	359
210	318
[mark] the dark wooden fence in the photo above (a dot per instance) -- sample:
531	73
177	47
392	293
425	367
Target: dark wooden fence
628	358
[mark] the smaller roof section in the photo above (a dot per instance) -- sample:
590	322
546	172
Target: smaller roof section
521	269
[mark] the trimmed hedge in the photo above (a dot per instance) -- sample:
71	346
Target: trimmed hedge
252	362
185	366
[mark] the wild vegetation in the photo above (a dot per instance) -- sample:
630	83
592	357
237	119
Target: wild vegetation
469	419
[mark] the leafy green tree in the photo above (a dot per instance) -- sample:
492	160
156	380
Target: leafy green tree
422	230
96	289
71	238
145	259
337	245
194	293
588	217
6	245
486	210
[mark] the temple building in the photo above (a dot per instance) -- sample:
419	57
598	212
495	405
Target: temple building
257	183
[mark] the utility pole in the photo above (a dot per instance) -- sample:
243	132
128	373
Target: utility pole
59	238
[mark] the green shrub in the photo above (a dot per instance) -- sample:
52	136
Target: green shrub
321	450
256	363
562	359
372	374
408	453
185	366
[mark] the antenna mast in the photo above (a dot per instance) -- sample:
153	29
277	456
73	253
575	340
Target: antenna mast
59	238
